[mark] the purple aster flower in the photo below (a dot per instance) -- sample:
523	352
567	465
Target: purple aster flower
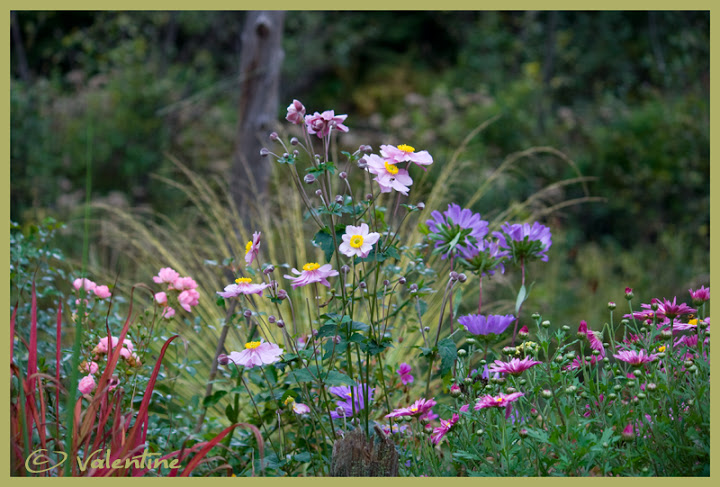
321	124
481	325
486	257
404	373
525	241
514	367
243	285
312	272
457	228
634	358
348	396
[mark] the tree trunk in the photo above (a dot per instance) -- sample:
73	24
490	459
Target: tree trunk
260	64
356	456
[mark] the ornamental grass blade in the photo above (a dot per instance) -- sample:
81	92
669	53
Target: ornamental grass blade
211	444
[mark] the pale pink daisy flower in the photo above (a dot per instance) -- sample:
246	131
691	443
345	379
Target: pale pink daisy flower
243	285
87	384
295	112
514	367
418	408
252	248
388	175
256	353
358	240
634	358
321	124
166	274
312	272
499	401
84	283
102	292
445	426
189	298
403	153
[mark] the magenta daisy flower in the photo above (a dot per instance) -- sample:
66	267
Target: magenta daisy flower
418	408
499	401
403	153
481	325
252	248
701	295
445	426
321	124
256	353
243	285
673	310
358	241
635	358
388	175
514	367
404	373
577	362
312	272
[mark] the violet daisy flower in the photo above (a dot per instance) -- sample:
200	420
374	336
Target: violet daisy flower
295	112
482	325
252	248
514	367
403	153
404	373
358	241
418	408
312	272
321	124
486	258
388	175
499	401
445	426
457	228
348	396
243	285
256	353
634	358
525	241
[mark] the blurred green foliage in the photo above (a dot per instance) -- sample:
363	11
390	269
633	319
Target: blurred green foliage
624	94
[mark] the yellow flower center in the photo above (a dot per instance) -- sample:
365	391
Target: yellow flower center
497	399
356	241
693	322
251	345
413	409
289	400
406	148
311	266
391	168
248	247
661	349
243	280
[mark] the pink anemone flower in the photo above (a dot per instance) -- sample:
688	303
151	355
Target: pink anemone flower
256	353
243	285
312	272
358	240
388	175
252	248
321	124
403	153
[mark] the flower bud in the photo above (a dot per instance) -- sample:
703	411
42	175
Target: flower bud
247	313
223	359
294	141
523	433
571	389
535	316
362	285
467	381
402	281
386	283
545	324
365	148
612	396
611	305
480	432
318	192
453	276
629	293
462	277
309	179
413	288
282	294
547	393
565	328
362	164
339	199
470	341
269	270
462	352
369	196
271	319
420	206
426	329
274	136
342	175
264	152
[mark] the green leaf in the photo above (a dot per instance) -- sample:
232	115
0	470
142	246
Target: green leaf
323	239
303	457
521	297
302	375
230	413
448	354
214	398
327	331
335	378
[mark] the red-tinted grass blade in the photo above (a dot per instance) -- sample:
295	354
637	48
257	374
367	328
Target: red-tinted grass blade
58	348
211	444
12	331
